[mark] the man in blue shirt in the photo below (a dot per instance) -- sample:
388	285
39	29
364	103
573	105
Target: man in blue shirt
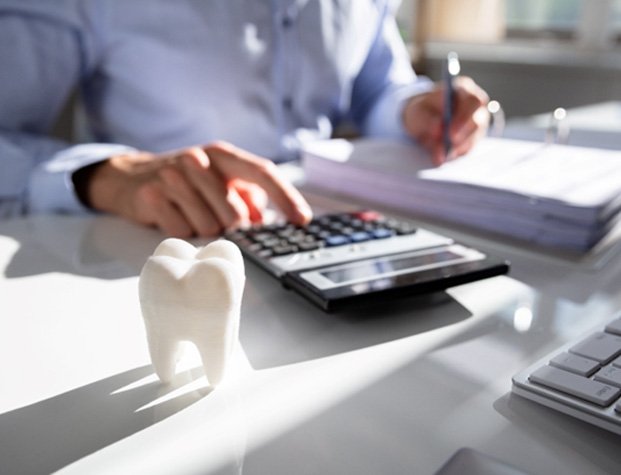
229	86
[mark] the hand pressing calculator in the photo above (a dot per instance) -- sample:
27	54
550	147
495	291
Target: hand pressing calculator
342	259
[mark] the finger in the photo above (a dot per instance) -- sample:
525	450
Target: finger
473	130
233	163
212	187
240	204
178	190
254	197
469	142
154	208
470	100
438	153
422	114
465	146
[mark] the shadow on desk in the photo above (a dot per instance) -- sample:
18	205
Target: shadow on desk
557	432
51	434
302	332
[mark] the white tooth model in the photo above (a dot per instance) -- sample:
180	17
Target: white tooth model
190	294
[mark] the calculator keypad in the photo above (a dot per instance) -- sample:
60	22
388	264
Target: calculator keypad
326	231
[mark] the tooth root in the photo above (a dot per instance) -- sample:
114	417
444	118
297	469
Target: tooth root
214	358
164	352
221	286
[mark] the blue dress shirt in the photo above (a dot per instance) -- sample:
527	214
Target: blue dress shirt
158	75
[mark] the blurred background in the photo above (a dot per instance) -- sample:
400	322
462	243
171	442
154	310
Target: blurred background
531	55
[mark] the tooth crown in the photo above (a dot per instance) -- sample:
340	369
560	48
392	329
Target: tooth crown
189	294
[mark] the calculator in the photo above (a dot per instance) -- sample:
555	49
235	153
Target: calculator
348	258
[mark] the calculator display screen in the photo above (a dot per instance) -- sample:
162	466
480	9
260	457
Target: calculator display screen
378	267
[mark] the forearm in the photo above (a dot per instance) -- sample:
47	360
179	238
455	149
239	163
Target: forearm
385	83
36	172
60	184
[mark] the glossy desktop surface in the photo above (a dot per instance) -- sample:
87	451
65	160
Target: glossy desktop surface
392	388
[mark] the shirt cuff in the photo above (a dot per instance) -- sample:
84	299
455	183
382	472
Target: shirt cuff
51	188
386	118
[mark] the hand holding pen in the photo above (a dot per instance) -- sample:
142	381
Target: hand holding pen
449	119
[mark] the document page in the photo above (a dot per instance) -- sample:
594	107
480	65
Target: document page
576	175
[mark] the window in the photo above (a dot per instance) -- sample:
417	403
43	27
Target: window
532	16
595	24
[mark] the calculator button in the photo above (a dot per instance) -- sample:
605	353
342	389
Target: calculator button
360	236
308	246
262	236
368	215
337	240
254	247
382	233
272	242
282	250
298	238
236	235
336	227
265	253
244	242
405	228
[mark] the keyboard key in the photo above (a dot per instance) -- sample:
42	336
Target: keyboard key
614	326
600	346
609	375
575	385
576	364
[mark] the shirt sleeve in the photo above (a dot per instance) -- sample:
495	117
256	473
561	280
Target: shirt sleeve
385	82
43	59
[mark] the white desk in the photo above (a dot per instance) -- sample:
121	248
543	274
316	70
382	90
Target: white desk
594	125
392	390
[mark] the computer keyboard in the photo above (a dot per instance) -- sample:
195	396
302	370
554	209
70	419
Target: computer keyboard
581	378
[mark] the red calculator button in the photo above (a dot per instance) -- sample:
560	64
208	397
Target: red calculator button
368	215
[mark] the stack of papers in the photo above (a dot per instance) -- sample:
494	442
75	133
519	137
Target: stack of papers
556	195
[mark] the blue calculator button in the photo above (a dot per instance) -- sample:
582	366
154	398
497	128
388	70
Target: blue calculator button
382	233
360	236
337	240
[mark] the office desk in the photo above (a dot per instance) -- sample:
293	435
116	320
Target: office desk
391	389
